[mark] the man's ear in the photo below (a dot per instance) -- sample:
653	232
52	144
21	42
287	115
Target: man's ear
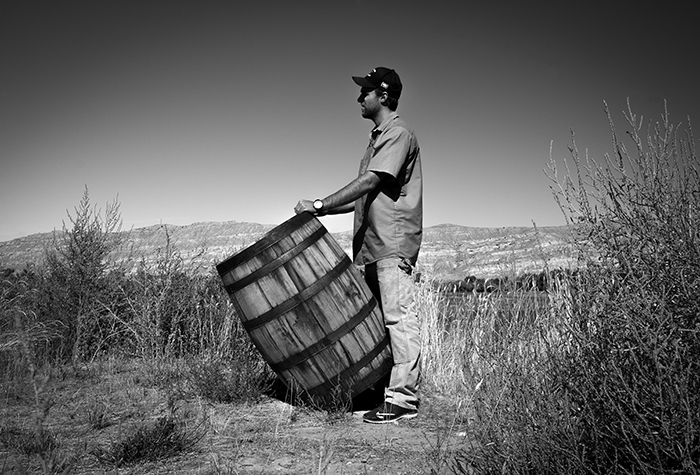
383	98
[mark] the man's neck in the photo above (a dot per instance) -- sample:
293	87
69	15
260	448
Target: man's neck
381	116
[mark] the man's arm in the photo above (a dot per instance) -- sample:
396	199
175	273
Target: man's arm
342	201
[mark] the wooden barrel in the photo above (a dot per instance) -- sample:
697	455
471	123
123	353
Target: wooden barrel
308	310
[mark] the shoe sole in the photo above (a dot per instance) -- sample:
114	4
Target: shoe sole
402	416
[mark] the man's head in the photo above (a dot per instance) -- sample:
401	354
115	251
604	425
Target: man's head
386	84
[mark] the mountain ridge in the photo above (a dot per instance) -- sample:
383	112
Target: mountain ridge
448	250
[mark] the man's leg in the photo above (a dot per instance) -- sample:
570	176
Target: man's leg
396	287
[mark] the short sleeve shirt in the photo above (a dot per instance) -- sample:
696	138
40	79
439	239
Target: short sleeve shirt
389	220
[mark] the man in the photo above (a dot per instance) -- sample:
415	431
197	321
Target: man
387	198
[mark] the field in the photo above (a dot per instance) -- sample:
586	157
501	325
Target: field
104	413
220	413
144	367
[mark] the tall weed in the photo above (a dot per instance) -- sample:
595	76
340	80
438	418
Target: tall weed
493	354
23	337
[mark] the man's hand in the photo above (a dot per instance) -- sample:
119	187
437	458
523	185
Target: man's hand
305	206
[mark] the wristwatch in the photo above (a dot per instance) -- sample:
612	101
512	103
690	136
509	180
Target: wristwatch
318	206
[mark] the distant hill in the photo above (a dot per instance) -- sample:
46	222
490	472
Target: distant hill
448	251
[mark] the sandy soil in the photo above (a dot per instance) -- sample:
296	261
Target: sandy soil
91	412
304	441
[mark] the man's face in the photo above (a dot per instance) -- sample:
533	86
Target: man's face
369	103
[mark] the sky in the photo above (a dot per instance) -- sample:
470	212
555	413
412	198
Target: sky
197	111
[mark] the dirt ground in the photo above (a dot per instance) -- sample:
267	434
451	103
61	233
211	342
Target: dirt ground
88	414
308	442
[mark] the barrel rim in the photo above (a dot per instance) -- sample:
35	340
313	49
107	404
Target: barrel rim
269	239
280	261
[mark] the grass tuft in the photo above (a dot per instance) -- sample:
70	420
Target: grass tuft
151	441
226	380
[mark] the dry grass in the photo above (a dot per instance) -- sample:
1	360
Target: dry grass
144	428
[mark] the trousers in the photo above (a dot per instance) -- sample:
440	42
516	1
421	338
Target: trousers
392	284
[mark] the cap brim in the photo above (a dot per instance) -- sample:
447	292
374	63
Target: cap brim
362	82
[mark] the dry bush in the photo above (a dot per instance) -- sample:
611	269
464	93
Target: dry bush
76	279
606	379
635	375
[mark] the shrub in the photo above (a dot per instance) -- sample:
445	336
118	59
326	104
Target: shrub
608	380
76	281
635	376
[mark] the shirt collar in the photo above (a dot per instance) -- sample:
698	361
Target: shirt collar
381	127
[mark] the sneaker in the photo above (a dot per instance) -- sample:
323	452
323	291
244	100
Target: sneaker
388	413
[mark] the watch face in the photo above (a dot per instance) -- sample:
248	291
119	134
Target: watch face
318	204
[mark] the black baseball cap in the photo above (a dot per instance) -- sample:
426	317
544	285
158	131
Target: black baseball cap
381	78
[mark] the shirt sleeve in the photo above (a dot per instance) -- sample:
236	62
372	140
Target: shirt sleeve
390	152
